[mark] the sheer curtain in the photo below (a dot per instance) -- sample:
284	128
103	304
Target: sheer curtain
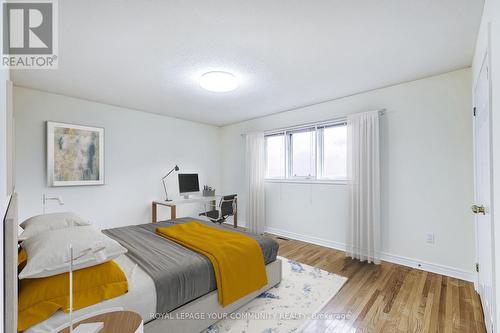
363	158
255	172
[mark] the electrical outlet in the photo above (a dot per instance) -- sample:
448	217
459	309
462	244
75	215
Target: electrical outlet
429	238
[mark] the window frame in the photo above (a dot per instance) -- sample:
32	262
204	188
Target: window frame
284	150
317	151
289	147
321	153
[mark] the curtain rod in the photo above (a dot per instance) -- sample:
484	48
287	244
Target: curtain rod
338	119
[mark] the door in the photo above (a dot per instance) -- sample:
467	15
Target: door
482	207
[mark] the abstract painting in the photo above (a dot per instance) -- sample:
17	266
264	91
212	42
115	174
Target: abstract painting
75	154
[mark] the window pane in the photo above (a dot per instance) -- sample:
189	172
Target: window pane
303	147
275	156
335	152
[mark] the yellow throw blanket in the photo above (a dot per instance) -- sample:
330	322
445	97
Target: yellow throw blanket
237	259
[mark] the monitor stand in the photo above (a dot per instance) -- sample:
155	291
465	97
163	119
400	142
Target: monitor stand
186	196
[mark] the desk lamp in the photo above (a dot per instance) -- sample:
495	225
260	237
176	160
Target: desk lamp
176	168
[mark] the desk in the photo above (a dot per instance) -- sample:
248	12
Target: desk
173	206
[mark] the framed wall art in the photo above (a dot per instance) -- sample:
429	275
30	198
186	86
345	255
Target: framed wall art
75	154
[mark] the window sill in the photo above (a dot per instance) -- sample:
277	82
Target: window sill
307	181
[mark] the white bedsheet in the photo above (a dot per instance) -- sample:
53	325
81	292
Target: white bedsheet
141	298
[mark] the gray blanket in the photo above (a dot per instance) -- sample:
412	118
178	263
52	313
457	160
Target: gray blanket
180	274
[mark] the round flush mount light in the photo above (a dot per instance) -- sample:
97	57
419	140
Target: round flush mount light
218	81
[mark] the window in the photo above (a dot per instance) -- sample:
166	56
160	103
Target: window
303	153
316	152
275	156
333	152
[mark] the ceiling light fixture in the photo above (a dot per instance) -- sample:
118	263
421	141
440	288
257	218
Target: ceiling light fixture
218	81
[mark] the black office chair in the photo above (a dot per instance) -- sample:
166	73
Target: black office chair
225	208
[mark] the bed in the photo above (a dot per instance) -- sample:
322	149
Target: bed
199	297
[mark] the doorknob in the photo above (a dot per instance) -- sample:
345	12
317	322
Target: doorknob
478	209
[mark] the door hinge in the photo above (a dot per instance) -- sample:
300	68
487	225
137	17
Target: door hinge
477	268
474	111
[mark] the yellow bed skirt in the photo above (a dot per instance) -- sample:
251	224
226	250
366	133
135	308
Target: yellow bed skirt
237	259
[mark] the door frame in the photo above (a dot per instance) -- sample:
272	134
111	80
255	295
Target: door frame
486	60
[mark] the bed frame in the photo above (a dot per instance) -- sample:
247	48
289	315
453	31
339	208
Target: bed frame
207	304
10	228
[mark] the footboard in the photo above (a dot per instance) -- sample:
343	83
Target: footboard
208	305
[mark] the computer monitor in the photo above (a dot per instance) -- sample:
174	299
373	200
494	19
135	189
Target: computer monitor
188	183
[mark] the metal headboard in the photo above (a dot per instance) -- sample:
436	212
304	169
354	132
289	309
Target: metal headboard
10	229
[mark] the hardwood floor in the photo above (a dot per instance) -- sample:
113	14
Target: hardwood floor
389	297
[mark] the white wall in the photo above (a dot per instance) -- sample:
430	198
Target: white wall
139	149
427	176
491	16
4	194
4	76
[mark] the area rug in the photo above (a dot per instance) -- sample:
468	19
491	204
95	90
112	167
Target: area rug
302	293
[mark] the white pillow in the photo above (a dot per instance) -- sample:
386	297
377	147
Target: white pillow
36	224
48	252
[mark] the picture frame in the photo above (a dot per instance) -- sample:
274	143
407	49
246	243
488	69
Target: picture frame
75	154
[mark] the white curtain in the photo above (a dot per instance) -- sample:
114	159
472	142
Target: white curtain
255	172
363	158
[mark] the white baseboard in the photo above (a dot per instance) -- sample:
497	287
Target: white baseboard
392	258
230	222
307	239
429	267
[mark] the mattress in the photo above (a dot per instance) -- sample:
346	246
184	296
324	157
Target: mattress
140	298
180	274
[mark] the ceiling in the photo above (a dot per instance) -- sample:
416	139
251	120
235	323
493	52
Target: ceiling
148	55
